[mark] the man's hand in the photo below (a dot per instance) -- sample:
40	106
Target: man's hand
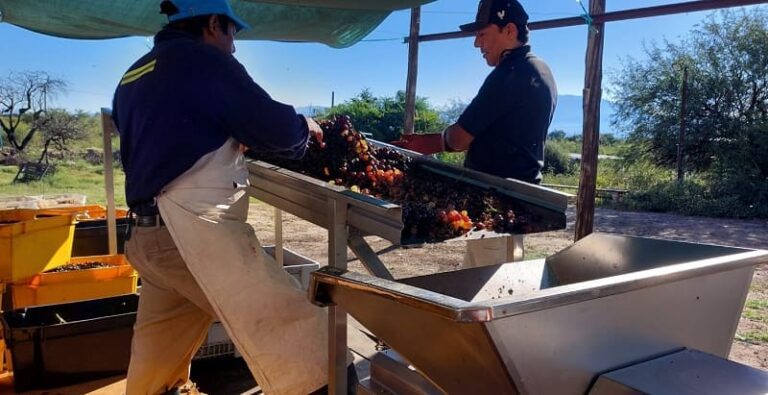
426	144
456	139
314	129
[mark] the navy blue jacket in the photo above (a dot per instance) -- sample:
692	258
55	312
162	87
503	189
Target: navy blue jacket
184	99
510	116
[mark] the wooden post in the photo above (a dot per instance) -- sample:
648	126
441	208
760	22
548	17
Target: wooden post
107	126
593	79
413	69
681	136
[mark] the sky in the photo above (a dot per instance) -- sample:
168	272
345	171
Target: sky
306	74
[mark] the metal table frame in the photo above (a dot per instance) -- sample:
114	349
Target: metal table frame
347	217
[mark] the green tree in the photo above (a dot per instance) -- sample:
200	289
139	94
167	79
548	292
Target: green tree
453	110
556	159
24	98
383	117
727	62
556	134
59	129
726	59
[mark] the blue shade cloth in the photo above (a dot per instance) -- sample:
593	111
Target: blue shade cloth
337	23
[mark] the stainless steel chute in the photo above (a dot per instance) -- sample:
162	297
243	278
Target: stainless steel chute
553	325
308	198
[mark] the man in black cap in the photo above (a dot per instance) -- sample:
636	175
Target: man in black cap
504	127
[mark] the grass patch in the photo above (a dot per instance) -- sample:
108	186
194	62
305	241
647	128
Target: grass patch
754	337
756	310
78	177
534	253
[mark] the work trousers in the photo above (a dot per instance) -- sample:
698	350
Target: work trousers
207	263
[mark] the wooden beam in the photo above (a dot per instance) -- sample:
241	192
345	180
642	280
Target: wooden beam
593	81
637	13
413	70
108	128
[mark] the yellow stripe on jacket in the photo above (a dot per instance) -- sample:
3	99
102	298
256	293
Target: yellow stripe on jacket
138	72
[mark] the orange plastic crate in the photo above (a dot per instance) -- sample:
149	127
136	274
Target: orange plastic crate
85	213
32	242
76	285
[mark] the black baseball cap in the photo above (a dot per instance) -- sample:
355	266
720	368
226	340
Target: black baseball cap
498	12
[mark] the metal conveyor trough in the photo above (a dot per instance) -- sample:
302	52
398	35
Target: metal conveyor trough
553	325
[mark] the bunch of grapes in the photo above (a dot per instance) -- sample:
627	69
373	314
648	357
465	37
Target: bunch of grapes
434	207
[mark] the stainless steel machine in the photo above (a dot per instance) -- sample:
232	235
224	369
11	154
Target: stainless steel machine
554	325
348	216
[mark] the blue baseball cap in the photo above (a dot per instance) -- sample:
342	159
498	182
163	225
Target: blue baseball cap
193	8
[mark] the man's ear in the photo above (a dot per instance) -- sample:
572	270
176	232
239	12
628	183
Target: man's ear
213	25
511	30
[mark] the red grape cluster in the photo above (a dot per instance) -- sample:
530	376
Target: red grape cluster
434	207
346	158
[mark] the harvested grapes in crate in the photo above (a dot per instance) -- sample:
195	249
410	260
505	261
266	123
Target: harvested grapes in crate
435	207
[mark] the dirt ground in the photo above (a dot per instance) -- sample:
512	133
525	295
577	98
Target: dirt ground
312	241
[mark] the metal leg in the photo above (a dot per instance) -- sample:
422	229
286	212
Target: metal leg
367	256
337	316
279	237
515	248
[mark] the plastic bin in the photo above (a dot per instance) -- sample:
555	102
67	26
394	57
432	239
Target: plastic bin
217	344
62	199
298	266
17	202
91	237
58	345
75	285
42	201
91	229
86	212
31	242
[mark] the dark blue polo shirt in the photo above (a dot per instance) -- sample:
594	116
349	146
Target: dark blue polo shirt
510	116
183	100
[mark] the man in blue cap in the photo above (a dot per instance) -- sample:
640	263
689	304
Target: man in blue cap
504	127
183	111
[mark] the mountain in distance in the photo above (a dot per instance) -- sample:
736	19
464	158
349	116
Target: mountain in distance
568	115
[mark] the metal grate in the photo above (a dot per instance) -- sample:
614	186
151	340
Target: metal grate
215	350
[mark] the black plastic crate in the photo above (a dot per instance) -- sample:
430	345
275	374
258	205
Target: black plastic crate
64	344
91	237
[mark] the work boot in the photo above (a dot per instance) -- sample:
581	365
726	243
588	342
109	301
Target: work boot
352	382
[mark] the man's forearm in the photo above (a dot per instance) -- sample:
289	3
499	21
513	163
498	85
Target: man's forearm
456	138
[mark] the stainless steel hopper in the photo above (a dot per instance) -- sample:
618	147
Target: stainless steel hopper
551	326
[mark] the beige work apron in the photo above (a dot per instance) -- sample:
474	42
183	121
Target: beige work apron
281	335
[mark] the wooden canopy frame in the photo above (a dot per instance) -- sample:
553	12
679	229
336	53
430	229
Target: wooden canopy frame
593	80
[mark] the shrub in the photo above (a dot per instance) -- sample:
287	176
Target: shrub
695	196
454	158
556	159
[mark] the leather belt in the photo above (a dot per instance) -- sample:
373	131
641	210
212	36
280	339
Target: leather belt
149	220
